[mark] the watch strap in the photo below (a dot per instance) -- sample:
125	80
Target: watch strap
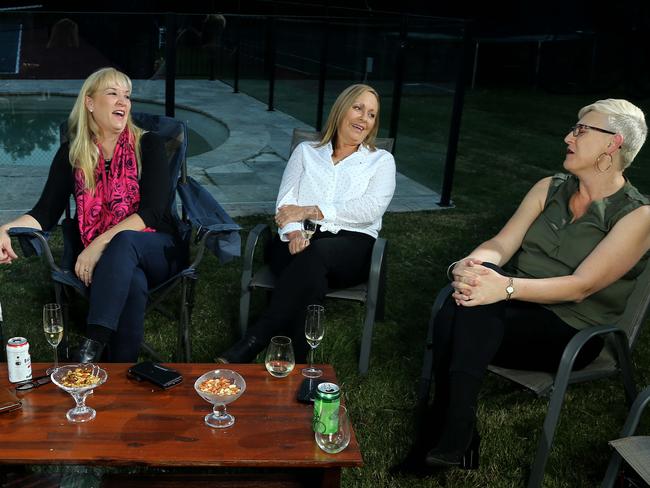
510	289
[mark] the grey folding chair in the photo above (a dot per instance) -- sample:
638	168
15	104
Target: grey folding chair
634	450
371	293
614	359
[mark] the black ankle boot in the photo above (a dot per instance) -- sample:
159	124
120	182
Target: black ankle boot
90	351
243	351
459	439
467	458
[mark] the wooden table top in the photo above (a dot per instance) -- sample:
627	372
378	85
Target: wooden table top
140	424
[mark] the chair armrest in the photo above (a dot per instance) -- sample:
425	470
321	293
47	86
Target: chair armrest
376	265
260	231
629	429
437	305
24	233
577	341
427	363
640	403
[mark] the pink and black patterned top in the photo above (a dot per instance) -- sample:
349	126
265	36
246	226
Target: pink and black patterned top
153	190
116	195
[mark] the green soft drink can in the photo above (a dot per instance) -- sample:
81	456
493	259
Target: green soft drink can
326	408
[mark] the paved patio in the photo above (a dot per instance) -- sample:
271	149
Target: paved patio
243	174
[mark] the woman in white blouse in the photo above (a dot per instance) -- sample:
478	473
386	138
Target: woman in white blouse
343	184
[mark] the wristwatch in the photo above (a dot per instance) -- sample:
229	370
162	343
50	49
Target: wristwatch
510	289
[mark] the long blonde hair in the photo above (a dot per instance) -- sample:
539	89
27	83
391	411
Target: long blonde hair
342	104
83	131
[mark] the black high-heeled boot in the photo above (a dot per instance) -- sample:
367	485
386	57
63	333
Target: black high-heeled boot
243	351
467	458
459	441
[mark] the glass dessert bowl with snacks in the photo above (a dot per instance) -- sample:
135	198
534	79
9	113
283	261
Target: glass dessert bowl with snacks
79	380
220	387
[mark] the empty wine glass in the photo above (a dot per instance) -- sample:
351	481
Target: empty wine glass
280	359
314	332
308	229
337	440
53	328
220	387
79	380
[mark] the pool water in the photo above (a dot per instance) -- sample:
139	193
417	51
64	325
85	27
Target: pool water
29	128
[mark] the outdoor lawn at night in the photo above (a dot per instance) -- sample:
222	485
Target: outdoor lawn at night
506	118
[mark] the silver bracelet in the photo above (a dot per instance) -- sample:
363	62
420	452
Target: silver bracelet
450	277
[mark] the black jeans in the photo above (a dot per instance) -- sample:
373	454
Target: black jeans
132	263
330	261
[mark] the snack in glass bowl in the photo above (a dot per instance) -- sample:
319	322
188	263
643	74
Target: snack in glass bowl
220	387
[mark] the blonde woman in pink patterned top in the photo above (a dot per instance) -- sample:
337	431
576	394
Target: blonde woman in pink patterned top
119	178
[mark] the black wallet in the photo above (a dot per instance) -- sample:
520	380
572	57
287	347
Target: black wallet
157	374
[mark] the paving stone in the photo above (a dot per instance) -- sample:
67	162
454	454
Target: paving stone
247	168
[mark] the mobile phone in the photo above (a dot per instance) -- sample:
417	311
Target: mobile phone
155	373
308	389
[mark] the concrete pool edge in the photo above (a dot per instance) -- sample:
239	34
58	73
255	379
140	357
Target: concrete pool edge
243	174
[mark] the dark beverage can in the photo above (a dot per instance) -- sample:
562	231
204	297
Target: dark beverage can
326	408
19	362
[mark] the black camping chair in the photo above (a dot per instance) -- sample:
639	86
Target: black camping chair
214	229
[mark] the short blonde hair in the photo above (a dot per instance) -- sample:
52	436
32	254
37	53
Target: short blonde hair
624	118
83	131
342	104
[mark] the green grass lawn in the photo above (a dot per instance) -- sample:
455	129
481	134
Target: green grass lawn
509	140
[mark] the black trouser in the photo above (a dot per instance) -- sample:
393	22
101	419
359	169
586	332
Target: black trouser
512	334
330	261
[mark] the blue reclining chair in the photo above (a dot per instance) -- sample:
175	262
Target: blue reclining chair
214	230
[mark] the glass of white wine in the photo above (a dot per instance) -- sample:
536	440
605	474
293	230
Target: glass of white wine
314	332
53	328
308	229
280	359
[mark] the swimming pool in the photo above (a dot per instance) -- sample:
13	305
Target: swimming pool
29	127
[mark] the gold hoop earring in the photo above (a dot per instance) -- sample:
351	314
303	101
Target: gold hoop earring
597	164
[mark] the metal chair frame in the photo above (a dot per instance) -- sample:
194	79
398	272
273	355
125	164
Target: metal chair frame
615	359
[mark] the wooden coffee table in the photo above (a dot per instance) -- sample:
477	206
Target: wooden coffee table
138	424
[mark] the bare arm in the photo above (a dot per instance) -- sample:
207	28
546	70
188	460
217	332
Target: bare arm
614	256
503	246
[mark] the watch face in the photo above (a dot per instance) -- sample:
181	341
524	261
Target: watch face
510	289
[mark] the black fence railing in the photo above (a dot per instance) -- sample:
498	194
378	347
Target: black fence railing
420	66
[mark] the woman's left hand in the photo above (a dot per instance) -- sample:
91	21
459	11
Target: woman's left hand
290	213
87	260
485	289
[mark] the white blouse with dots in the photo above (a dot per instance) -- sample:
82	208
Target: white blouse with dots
352	194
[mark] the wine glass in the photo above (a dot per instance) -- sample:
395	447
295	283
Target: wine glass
280	359
336	441
308	229
314	332
53	328
220	387
79	380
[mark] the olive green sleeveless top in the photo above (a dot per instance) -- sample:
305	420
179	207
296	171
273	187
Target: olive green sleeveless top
555	246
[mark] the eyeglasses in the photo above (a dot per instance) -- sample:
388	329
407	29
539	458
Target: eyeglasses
580	128
33	383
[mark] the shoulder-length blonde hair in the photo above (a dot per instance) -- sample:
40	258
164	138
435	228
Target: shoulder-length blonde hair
342	104
83	130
